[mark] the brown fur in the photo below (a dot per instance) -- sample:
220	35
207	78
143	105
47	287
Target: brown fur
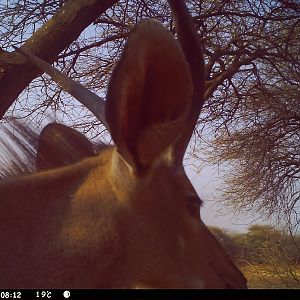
128	217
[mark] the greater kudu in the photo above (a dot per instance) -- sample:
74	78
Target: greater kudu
128	217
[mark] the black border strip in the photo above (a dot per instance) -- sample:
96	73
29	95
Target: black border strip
145	294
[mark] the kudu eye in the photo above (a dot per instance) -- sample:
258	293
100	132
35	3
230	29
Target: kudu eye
193	204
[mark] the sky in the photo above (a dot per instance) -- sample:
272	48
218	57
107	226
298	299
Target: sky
206	183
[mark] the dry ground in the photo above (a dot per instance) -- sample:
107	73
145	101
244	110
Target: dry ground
265	276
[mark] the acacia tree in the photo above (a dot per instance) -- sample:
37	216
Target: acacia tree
273	252
228	241
261	141
265	155
252	56
268	257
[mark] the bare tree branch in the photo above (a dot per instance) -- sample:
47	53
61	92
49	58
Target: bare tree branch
47	43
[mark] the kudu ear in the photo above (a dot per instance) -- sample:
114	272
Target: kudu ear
59	145
149	95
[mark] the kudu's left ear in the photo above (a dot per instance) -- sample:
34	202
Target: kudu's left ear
149	95
60	145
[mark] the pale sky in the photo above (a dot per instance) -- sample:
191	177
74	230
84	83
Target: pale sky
206	184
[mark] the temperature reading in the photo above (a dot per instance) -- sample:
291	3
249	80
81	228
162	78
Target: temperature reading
43	294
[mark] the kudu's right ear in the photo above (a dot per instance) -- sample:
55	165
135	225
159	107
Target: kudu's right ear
149	95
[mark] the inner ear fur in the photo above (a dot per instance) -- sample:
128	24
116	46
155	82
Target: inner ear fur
149	95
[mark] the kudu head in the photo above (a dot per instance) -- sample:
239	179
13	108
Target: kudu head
130	217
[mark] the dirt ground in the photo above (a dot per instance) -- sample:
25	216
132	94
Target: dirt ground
264	276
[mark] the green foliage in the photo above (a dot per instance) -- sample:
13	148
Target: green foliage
227	240
272	254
